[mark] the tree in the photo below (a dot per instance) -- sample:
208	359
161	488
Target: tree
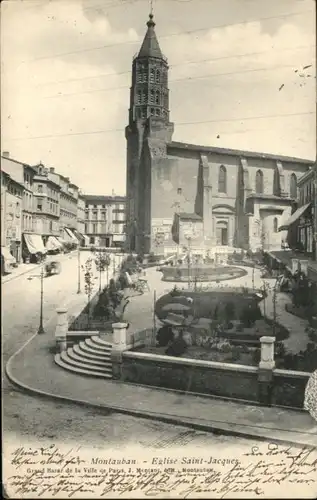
102	261
89	283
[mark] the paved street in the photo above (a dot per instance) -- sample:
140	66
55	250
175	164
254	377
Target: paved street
27	417
21	301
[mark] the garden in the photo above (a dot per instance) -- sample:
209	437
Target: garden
108	305
223	326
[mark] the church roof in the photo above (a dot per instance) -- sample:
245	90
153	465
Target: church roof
235	152
150	46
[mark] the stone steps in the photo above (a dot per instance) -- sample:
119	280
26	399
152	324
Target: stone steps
91	356
81	358
100	341
92	350
84	365
97	357
99	344
80	371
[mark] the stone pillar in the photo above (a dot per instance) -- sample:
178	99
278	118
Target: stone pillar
267	353
120	336
266	367
118	347
295	265
61	330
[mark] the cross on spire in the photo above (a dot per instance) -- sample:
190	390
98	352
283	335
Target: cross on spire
151	7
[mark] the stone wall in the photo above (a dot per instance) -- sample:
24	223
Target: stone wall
289	387
237	382
205	377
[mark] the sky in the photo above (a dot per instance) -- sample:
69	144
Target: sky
242	75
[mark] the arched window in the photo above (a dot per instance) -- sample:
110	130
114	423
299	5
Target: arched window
259	186
157	112
152	97
152	75
157	97
138	97
275	225
222	179
293	186
158	76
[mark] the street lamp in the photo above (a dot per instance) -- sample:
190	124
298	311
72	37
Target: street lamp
41	328
41	276
78	271
188	238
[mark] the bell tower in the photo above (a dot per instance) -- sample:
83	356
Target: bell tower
148	117
149	90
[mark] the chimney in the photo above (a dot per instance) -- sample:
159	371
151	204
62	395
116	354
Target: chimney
6	154
52	170
68	179
46	170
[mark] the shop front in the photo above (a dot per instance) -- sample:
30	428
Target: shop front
53	246
33	249
8	262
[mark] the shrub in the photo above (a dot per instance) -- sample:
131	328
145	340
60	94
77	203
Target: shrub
235	353
122	280
229	311
177	348
249	315
312	335
140	258
225	347
164	335
256	356
279	350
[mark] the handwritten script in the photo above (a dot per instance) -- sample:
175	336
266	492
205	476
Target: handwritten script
50	472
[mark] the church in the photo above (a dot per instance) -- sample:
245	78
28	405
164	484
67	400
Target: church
186	194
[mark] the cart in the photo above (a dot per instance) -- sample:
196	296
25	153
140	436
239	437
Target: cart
52	267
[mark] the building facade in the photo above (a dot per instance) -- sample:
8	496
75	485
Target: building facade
23	174
81	213
46	193
105	220
11	215
301	226
215	197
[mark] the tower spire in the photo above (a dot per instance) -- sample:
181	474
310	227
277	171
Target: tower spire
150	46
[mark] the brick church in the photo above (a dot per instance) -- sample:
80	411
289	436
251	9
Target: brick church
209	196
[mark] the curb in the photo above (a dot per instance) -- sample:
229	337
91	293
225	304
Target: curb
226	429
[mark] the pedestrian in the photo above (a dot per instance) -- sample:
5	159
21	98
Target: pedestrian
310	401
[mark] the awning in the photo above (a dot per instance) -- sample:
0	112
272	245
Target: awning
294	217
67	237
5	252
61	240
71	235
34	243
52	243
82	238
